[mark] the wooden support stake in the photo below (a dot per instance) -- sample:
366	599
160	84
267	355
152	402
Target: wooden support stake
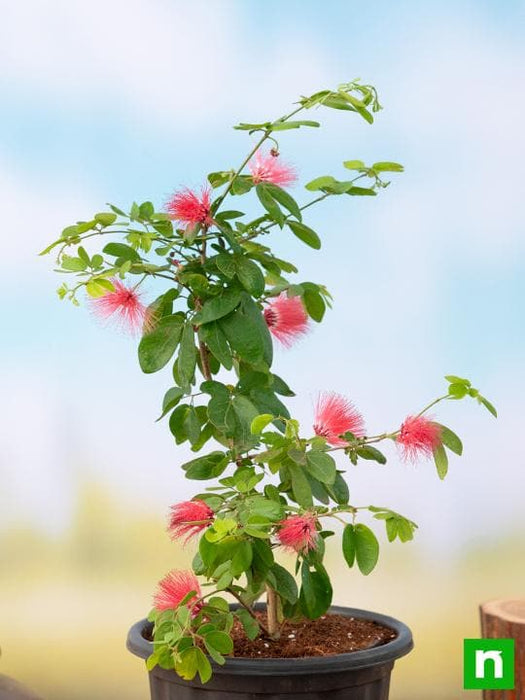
505	619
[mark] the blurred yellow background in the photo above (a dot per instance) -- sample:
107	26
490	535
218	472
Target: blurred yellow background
66	603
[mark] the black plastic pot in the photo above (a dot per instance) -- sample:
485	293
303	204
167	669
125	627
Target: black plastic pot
359	675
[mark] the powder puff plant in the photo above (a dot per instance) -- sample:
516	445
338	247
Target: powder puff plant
188	518
287	319
270	168
227	297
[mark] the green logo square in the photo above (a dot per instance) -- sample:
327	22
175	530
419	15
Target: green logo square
488	664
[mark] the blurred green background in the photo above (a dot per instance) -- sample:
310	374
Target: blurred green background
114	101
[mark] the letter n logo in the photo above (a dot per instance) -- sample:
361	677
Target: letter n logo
488	664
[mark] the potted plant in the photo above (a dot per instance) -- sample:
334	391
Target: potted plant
227	298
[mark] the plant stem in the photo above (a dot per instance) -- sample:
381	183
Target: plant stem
247	607
264	137
433	403
271	612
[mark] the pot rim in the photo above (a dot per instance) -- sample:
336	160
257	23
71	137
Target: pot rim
364	658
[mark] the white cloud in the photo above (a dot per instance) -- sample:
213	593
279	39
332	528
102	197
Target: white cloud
52	205
162	62
460	110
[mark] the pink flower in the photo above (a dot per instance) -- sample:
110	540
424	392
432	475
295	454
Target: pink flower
268	168
173	588
185	206
286	318
189	518
418	437
298	533
335	415
123	305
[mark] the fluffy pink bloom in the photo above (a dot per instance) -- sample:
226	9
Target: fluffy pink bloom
269	168
298	533
335	415
173	588
189	518
123	305
190	209
418	437
286	318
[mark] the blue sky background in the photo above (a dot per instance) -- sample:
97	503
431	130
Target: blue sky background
115	101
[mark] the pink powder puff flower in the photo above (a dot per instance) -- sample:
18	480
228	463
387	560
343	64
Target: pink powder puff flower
298	533
190	209
269	168
286	318
124	305
335	415
173	588
189	518
418	437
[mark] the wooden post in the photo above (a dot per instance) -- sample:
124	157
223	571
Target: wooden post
505	619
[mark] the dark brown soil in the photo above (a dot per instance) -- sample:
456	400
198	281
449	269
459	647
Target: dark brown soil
329	635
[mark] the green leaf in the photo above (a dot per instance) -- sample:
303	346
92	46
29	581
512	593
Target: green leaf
218	307
121	250
67	262
441	461
270	204
187	664
260	422
250	275
349	545
285	199
247	332
371	453
226	264
339	490
282	126
220	641
285	583
105	218
212	335
157	347
245	412
452	379
314	304
187	358
242	558
387	167
450	439
354	164
321	183
366	548
316	591
457	391
301	489
203	666
99	287
490	408
250	626
171	399
281	387
305	234
357	105
219	179
321	466
192	425
360	192
206	467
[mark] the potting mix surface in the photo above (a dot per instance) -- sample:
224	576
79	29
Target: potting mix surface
329	635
